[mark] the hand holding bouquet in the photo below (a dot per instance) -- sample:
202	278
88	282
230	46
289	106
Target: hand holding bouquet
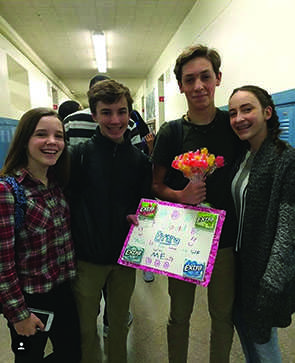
197	165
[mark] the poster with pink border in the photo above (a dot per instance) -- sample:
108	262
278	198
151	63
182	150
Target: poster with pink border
176	240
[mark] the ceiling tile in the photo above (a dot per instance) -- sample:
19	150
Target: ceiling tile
59	31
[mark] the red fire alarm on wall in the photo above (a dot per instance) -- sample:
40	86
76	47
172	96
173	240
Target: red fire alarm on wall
55	107
161	98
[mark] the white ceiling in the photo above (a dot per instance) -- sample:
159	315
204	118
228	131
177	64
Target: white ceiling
59	31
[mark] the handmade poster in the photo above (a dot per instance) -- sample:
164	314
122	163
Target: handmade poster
175	240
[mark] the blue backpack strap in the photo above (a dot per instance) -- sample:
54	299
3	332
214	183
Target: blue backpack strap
20	201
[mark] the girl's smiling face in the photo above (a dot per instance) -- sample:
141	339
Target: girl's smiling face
46	143
248	118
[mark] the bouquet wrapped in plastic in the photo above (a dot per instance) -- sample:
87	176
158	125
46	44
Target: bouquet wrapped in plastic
196	165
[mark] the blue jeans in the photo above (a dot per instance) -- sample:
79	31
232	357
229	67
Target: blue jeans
257	353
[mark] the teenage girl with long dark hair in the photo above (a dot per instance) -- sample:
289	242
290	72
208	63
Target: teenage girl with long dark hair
37	262
264	194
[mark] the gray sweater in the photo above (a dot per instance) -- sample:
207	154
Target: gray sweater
267	257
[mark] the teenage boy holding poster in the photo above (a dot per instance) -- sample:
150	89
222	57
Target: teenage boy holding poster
198	73
109	177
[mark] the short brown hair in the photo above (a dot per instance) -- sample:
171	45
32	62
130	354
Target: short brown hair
197	51
108	91
17	157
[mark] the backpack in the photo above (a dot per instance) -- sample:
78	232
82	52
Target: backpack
177	132
174	178
19	203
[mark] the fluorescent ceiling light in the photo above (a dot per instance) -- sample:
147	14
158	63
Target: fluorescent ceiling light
99	44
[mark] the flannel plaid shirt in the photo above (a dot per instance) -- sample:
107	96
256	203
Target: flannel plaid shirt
42	255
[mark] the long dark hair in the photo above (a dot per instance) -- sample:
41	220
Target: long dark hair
265	100
17	154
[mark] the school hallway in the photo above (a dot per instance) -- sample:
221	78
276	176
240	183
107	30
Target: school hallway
147	335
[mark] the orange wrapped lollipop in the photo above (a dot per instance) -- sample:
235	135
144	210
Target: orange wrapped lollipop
196	165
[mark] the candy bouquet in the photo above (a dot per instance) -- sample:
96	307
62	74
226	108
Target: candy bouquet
198	164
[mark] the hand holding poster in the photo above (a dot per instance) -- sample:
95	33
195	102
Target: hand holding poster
176	240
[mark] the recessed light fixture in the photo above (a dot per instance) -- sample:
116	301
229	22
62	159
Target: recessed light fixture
99	44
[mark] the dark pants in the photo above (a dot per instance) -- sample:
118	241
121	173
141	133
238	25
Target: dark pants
220	303
64	332
91	279
105	313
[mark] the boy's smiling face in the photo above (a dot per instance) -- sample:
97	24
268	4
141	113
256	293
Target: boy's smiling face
113	119
198	83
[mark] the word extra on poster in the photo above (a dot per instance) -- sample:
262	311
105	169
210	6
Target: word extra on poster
176	240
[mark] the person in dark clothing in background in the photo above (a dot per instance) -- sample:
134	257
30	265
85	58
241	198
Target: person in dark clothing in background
68	107
146	142
80	125
145	137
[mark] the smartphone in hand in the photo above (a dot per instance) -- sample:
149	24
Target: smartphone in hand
45	316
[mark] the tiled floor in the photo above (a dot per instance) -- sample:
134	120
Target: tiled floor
147	336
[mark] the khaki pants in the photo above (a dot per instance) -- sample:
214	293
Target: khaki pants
220	303
120	282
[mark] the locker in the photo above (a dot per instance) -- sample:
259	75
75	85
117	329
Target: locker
286	115
7	128
285	106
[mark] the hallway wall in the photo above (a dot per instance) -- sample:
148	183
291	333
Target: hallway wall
254	39
40	84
